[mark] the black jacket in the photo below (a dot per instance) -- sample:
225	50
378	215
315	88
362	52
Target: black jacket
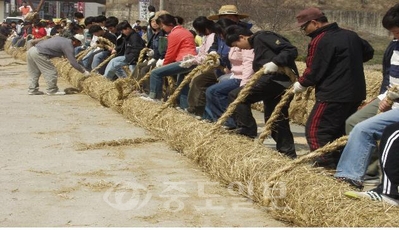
133	45
334	64
272	47
386	65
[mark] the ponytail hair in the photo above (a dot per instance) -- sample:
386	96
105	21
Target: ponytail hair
167	20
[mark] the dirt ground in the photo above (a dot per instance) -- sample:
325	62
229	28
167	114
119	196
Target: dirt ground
68	161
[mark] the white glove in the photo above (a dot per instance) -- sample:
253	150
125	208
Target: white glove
298	88
270	67
86	73
151	61
392	95
187	63
213	52
150	53
159	63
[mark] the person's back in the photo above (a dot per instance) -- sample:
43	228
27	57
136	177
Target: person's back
339	55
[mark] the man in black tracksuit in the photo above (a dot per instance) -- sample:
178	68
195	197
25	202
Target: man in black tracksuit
334	66
271	51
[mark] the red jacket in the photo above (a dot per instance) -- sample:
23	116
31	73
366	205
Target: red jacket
39	32
180	43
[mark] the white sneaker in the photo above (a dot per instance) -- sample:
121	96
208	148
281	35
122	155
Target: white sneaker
372	195
59	93
145	98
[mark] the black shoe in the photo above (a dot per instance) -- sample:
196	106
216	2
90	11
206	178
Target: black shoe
241	131
354	183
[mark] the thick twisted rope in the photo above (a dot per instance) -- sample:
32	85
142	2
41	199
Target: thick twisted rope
103	63
333	146
82	54
142	55
392	95
245	92
285	99
211	61
105	43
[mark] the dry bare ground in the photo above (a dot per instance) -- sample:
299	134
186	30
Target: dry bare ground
68	161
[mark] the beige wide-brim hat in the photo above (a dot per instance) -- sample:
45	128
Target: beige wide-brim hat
227	9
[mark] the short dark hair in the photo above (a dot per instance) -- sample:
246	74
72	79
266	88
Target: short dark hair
233	33
123	25
222	24
94	29
202	24
89	20
100	19
78	15
151	8
111	21
391	18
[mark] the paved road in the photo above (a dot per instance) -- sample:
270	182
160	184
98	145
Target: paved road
64	162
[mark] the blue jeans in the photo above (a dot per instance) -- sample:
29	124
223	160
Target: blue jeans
98	58
88	59
361	144
78	50
114	67
157	75
217	99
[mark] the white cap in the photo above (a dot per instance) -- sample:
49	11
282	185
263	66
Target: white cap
80	38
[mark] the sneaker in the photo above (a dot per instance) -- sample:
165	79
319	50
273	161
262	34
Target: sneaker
372	195
58	93
354	183
145	98
36	93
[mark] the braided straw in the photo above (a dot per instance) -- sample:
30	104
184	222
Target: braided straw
330	147
103	63
389	99
245	92
142	55
209	63
275	114
105	43
82	54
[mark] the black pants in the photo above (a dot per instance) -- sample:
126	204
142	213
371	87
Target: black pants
389	160
270	93
196	96
326	122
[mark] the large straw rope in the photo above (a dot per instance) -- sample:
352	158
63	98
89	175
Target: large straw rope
245	92
330	147
391	96
142	55
83	53
209	63
103	63
105	43
285	99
